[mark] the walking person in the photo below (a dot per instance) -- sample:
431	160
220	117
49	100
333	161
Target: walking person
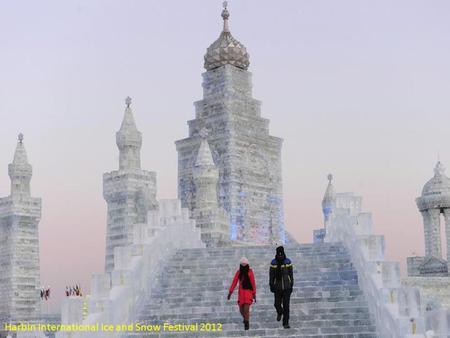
281	281
247	290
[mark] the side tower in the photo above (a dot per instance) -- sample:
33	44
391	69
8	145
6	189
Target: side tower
130	192
19	244
247	157
208	215
434	202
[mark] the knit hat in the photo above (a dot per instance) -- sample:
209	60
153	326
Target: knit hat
244	261
280	251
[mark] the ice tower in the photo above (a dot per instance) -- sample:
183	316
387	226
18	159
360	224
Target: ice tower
19	244
130	192
247	156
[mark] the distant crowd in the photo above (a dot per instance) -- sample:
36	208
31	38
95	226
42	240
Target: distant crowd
45	293
74	291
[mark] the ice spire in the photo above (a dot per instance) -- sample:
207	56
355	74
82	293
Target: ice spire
225	17
204	156
129	140
329	199
20	171
329	193
206	175
439	169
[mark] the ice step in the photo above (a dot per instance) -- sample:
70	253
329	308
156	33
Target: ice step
361	314
325	302
357	332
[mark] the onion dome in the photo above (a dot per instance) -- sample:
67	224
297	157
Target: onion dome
436	192
226	50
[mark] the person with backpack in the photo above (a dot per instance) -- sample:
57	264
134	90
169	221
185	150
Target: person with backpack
247	290
281	281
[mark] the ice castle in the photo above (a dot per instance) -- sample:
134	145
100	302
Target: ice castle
168	262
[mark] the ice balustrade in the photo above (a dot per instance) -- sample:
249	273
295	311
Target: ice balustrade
397	309
117	296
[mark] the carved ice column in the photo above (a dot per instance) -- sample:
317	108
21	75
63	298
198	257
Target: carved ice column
432	232
447	232
427	232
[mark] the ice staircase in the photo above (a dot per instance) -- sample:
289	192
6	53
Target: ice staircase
326	300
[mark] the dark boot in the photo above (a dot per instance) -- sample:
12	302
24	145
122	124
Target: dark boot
246	325
279	317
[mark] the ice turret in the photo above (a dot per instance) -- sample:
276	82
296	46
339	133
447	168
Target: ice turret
20	171
129	141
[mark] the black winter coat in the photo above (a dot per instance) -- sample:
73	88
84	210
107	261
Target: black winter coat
286	282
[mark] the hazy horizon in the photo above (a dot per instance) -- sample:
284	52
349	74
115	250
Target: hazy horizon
358	89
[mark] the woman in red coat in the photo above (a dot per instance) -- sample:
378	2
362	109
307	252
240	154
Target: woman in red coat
247	290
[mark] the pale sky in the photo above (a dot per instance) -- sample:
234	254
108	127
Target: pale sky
356	88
